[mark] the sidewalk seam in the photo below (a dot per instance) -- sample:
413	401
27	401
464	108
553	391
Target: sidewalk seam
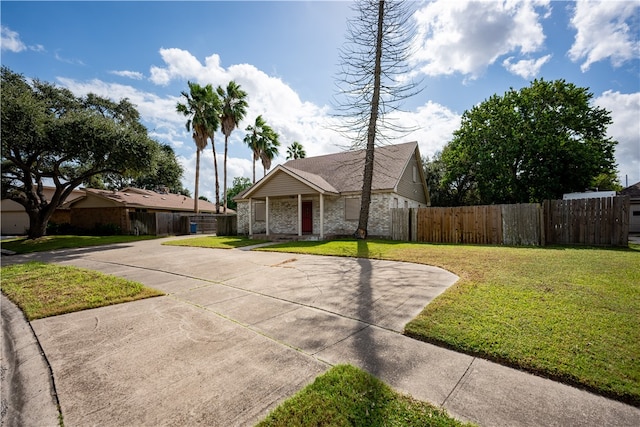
458	382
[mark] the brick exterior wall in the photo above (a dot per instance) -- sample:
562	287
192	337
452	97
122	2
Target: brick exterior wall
283	216
88	218
61	216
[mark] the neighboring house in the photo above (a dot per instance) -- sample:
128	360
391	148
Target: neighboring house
320	196
588	195
107	207
15	220
633	192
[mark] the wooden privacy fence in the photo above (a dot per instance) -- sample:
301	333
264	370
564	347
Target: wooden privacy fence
583	222
158	223
166	223
597	222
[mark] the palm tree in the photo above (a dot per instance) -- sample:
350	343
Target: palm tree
268	147
263	142
252	140
233	110
296	151
201	108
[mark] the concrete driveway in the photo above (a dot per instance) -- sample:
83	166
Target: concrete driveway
239	332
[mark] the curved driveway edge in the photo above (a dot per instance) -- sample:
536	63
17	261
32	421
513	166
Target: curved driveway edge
28	397
239	332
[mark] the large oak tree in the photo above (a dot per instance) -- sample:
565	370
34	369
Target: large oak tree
529	145
52	137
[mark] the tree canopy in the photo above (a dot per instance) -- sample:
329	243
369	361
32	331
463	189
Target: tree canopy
263	142
52	137
528	145
201	106
167	173
296	151
240	183
232	111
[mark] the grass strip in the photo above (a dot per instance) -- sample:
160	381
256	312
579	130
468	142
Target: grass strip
348	396
568	313
50	243
43	290
215	242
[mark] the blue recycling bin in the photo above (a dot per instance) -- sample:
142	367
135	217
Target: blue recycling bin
194	227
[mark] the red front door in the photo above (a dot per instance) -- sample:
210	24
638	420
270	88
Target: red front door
307	217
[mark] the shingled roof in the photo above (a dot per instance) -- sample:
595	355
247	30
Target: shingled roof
139	198
632	191
342	172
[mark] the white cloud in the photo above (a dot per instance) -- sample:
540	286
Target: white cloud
164	123
466	37
180	64
625	111
135	75
72	61
525	68
10	40
434	125
292	118
604	32
282	108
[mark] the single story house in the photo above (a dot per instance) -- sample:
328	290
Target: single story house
633	191
15	220
319	197
111	207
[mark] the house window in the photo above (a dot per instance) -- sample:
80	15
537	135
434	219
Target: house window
352	208
406	204
260	211
636	213
395	202
415	174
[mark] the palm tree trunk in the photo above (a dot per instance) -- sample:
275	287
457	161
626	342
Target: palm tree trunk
215	171
195	201
224	189
254	169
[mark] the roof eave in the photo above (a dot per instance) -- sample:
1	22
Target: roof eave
268	177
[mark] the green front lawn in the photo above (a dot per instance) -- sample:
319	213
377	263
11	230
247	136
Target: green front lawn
348	396
43	290
215	242
49	243
572	314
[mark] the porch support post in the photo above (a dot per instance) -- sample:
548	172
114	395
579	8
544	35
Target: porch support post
266	214
250	217
299	214
321	216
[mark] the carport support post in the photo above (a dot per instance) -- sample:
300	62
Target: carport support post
299	214
266	214
321	216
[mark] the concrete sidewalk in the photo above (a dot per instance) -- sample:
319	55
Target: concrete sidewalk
240	331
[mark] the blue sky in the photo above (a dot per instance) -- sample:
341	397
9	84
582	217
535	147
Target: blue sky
285	55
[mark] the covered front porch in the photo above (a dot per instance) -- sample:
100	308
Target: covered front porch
298	217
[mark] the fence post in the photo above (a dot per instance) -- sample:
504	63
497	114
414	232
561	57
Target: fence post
543	225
